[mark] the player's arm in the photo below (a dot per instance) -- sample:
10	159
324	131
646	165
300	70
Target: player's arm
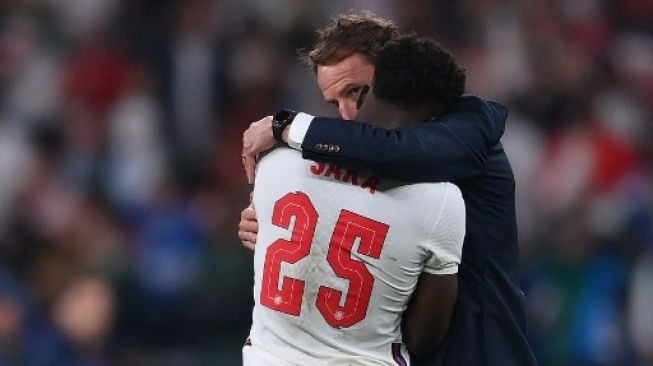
452	147
426	320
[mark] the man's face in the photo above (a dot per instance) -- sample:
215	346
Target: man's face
342	82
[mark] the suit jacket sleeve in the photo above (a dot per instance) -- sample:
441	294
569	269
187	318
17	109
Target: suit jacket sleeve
452	147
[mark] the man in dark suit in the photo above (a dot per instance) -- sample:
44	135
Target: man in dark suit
462	146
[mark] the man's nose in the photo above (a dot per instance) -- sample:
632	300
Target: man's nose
347	109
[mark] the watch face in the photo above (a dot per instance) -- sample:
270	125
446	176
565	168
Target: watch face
282	116
282	119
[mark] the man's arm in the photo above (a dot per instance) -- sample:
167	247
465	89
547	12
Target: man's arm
426	320
454	146
449	148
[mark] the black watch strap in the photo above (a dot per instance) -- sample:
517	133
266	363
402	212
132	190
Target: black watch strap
280	121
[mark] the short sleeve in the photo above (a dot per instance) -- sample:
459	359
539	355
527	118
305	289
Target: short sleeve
444	250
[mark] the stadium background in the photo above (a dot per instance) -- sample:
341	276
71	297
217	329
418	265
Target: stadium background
121	182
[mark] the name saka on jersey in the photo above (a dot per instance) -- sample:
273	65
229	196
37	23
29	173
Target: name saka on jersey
338	255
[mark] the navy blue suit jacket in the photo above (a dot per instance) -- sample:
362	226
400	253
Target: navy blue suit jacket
489	321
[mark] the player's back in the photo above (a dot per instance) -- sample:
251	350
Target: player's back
338	255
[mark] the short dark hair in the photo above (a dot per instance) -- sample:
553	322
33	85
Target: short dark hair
412	70
365	33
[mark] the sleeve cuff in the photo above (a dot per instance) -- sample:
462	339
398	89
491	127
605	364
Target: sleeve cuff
451	268
298	129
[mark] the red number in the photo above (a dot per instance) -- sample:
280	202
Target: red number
350	226
372	236
288	298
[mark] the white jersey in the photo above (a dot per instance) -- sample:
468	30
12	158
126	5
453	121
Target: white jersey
337	257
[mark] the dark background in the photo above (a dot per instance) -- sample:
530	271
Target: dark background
121	182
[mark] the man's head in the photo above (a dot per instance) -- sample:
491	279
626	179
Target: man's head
415	79
344	56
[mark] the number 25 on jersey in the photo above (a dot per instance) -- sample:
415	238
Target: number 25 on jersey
287	298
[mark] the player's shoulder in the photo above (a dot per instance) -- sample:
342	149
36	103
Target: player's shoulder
428	198
449	197
428	190
277	164
452	191
279	153
280	158
453	198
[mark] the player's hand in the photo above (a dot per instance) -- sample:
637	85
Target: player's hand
248	227
256	139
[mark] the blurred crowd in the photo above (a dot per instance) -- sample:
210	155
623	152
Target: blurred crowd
121	183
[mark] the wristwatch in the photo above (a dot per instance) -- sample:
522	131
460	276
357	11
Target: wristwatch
280	121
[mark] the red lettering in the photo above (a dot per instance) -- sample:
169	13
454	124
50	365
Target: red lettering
287	296
317	168
349	176
352	175
340	308
333	170
371	183
370	234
